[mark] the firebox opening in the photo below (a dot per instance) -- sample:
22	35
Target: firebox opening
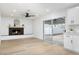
16	31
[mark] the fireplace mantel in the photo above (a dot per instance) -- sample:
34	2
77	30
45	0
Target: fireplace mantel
17	27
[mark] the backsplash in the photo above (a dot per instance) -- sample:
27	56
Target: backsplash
74	28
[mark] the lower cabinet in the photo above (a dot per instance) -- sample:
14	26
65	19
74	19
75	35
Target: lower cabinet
71	42
68	42
76	43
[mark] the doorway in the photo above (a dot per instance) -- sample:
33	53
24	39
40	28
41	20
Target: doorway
54	31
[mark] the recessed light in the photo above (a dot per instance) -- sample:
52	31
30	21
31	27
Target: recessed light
14	10
47	10
11	14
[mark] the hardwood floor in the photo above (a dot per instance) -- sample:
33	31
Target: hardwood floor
31	46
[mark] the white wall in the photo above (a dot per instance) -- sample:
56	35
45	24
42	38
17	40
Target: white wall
38	23
38	28
27	25
5	21
0	27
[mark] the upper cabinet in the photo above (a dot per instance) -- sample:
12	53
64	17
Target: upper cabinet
73	16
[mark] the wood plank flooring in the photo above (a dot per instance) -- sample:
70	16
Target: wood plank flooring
31	46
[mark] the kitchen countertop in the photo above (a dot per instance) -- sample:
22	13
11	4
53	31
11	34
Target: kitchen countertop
72	33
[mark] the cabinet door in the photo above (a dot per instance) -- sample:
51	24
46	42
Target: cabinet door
68	42
76	16
70	17
76	43
73	16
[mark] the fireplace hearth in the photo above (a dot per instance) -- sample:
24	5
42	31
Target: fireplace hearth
16	31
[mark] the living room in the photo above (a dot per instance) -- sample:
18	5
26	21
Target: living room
39	28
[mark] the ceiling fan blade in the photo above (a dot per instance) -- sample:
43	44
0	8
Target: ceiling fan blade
32	15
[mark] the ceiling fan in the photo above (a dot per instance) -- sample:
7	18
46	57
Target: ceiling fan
27	14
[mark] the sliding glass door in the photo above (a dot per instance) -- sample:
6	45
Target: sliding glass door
48	31
54	30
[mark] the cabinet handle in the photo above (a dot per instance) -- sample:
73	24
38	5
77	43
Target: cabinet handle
71	41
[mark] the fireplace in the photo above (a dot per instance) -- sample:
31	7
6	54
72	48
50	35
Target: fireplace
16	31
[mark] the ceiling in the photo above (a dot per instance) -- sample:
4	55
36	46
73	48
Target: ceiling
38	9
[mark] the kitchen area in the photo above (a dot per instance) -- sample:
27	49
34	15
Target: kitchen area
71	37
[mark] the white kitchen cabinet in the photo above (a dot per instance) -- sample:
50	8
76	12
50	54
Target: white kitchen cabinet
71	38
71	42
68	42
76	43
73	16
